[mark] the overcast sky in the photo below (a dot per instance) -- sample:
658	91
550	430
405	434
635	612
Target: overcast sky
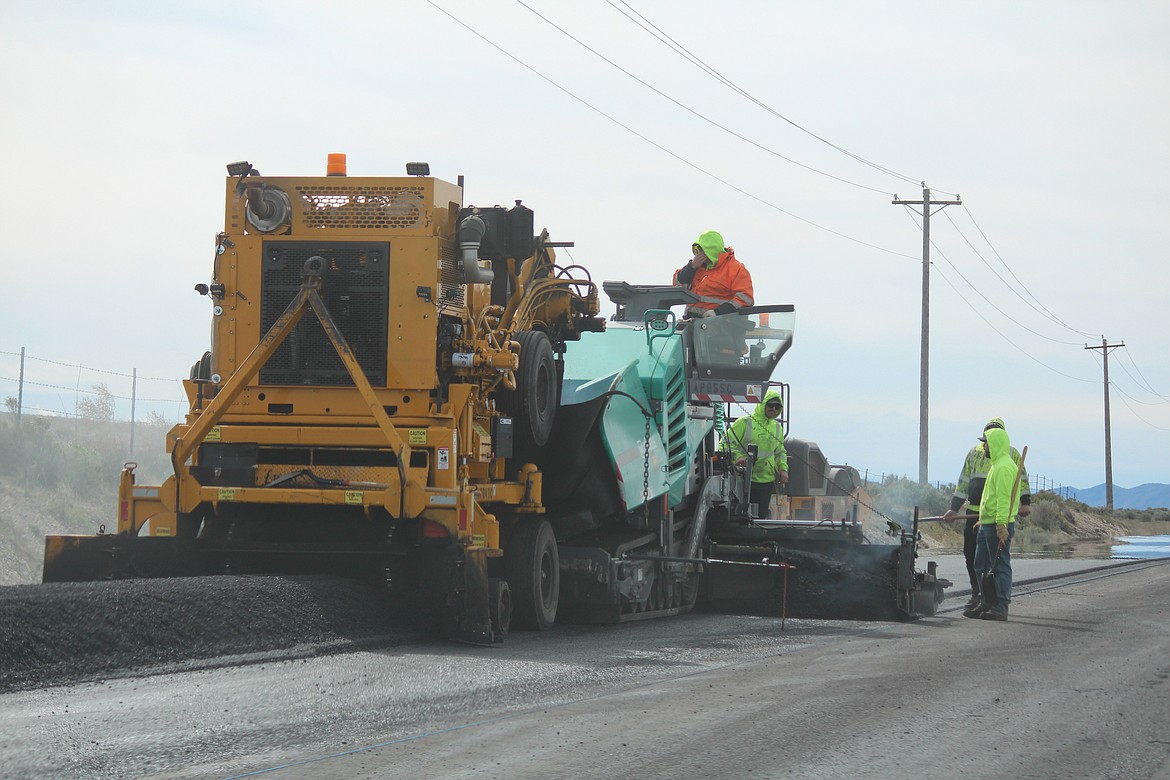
629	128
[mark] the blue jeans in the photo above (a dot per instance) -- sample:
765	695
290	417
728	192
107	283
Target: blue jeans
986	547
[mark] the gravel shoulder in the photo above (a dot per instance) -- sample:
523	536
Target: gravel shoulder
59	633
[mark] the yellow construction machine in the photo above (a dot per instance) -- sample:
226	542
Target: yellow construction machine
380	357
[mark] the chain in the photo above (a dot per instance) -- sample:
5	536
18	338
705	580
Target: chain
646	467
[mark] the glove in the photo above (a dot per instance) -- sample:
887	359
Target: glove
709	313
1001	531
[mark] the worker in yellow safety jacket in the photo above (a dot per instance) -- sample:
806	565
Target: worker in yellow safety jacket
762	428
721	282
997	525
969	490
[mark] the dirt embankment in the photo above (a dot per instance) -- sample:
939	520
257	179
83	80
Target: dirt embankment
27	517
60	476
1050	524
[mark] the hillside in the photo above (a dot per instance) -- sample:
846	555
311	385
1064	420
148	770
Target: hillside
60	476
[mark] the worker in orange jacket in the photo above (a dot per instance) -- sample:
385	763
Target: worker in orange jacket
721	282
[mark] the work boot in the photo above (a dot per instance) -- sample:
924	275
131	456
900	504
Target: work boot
977	611
994	614
972	602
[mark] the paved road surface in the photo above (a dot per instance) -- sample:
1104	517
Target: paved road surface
1077	685
1025	568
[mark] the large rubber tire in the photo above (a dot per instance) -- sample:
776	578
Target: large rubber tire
533	404
533	566
500	607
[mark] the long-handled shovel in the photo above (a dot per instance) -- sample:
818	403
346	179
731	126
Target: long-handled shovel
989	594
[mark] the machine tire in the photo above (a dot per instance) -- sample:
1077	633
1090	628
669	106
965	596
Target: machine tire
533	404
688	591
533	568
500	606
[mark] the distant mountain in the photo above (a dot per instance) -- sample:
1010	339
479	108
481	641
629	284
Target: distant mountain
1147	496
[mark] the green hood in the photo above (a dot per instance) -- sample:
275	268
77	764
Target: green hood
712	244
997	505
771	395
998	443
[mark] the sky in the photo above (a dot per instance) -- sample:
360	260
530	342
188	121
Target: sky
629	127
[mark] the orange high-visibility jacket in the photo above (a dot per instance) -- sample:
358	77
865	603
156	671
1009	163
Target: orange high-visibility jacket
725	281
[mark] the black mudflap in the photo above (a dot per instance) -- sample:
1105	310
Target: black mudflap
78	558
467	614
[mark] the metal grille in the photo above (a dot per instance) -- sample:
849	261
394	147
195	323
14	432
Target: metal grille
355	289
450	280
675	404
339	206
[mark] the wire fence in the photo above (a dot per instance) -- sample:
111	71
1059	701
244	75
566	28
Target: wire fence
35	385
1037	483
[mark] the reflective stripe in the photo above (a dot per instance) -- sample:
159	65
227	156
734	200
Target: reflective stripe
728	398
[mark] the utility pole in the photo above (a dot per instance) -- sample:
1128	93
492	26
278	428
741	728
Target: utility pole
1105	347
133	402
924	379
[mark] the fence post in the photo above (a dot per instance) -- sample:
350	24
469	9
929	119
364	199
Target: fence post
20	388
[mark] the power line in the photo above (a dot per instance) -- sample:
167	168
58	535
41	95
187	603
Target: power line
657	33
687	108
1145	383
1015	288
1006	316
1000	333
1134	411
1045	312
657	145
989	302
971	216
